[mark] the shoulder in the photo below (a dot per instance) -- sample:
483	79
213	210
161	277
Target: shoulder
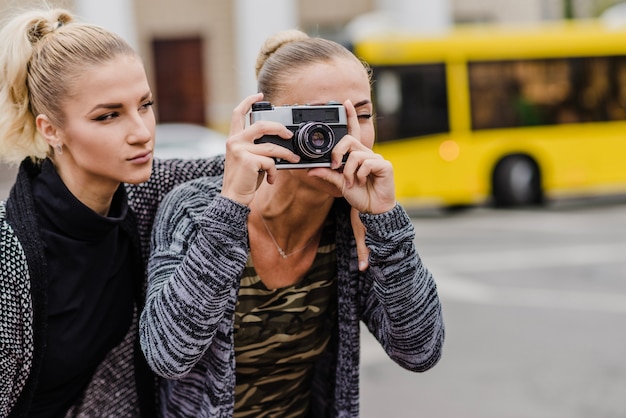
171	172
14	273
6	232
7	235
196	191
186	169
189	200
167	174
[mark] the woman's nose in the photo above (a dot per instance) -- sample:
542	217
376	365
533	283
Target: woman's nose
140	131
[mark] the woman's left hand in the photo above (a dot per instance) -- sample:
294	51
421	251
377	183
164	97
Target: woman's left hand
366	180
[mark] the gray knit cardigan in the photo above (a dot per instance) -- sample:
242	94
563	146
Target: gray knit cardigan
123	385
200	246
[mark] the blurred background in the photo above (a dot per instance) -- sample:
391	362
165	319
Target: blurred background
505	121
199	54
505	114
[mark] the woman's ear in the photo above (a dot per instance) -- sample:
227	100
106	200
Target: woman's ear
48	130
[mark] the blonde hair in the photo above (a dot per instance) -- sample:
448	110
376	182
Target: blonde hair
42	53
291	50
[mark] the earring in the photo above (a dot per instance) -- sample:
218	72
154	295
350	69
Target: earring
58	149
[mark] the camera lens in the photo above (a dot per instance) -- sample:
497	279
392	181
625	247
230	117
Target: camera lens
314	139
318	139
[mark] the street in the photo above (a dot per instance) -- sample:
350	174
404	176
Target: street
534	303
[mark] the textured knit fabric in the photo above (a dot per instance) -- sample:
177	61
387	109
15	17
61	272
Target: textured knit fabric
122	384
200	247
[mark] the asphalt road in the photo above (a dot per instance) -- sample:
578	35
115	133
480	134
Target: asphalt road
534	303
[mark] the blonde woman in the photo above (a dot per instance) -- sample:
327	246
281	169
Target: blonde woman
76	112
255	295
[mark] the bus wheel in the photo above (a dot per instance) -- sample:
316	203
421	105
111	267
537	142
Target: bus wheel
517	182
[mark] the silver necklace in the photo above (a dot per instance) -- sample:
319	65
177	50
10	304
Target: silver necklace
280	250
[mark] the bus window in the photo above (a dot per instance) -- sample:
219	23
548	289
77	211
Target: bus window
518	93
410	101
536	112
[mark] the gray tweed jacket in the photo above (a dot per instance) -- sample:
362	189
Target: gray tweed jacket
200	246
123	385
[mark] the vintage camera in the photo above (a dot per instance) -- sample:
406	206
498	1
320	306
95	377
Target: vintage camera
317	129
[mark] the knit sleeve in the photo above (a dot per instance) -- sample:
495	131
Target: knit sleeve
199	248
402	307
144	198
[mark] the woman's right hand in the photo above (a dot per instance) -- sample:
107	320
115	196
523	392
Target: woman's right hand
248	163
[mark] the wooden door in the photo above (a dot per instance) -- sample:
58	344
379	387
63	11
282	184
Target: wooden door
180	86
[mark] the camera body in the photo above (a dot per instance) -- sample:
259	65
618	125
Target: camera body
317	129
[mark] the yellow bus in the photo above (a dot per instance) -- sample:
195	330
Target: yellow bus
501	115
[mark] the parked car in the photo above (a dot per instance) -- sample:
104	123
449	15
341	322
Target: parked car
185	140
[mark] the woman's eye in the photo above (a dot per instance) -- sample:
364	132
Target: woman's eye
365	116
148	104
107	116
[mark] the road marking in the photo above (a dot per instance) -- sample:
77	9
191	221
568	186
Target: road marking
467	290
530	258
455	287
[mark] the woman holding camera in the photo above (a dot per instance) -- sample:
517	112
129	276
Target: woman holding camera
255	294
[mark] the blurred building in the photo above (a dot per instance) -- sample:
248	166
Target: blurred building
195	55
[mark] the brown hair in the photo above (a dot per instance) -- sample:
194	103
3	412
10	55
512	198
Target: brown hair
42	53
293	49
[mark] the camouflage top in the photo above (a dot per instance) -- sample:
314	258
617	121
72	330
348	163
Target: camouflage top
279	334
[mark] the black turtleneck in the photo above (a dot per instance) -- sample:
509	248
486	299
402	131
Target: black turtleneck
90	289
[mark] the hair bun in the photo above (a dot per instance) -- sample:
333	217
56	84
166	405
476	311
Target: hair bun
40	27
276	41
